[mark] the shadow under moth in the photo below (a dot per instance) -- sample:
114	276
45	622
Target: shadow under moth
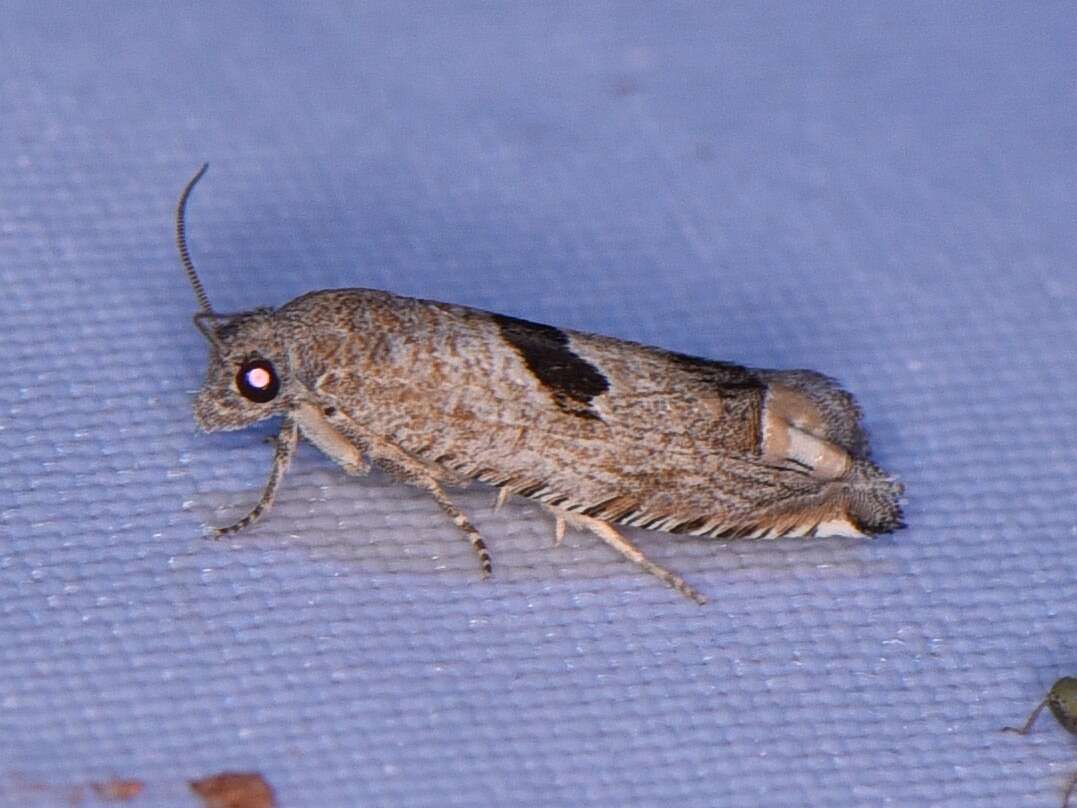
600	431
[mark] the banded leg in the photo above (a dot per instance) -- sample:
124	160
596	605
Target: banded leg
622	545
1069	791
343	440
461	521
285	444
414	474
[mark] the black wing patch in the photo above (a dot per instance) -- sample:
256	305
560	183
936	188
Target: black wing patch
572	381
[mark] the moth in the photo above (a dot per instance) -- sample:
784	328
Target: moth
600	431
1061	699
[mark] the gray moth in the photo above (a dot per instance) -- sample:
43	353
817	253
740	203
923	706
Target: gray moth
600	431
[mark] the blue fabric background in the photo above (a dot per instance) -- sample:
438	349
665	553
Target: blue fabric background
884	192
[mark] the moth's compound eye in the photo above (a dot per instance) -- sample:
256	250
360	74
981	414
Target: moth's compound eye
257	381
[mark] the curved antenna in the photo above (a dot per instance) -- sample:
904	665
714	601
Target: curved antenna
181	242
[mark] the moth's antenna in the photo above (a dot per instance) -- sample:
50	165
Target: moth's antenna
181	242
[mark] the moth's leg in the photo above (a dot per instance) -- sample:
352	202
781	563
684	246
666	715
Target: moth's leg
346	449
345	441
1031	720
285	444
622	545
558	529
462	522
1069	791
503	495
416	475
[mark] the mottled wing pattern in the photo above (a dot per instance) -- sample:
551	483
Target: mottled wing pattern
621	432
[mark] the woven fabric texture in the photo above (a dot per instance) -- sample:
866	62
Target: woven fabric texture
882	192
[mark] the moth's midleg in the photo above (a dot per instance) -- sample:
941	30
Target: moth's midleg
460	520
342	439
606	532
285	444
412	473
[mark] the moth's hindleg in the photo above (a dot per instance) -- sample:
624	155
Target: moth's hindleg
503	495
1069	791
558	529
606	532
284	444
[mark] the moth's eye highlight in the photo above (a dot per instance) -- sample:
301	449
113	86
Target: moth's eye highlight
257	381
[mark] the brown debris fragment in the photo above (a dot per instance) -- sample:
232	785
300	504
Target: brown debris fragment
234	790
118	789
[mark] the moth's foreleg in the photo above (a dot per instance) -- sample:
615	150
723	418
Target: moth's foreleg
328	433
622	545
285	444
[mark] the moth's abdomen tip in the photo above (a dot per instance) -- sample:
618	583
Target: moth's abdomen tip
875	517
874	500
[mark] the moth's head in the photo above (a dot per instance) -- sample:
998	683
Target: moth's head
249	376
249	373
